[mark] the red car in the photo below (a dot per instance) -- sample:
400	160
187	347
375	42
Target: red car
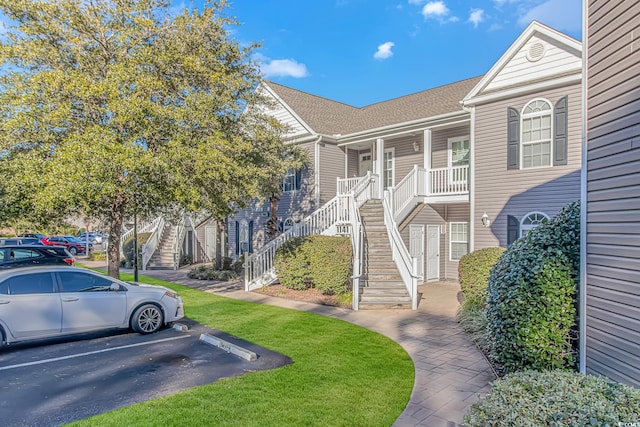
73	244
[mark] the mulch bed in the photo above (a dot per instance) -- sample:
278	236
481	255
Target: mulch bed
308	295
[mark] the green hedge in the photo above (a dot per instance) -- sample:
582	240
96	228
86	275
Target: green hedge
531	307
473	275
555	398
323	262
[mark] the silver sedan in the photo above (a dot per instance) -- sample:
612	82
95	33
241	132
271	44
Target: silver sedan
43	302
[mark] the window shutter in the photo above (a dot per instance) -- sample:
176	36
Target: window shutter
513	229
237	237
513	138
560	119
250	237
298	178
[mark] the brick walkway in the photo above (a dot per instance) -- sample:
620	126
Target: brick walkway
451	373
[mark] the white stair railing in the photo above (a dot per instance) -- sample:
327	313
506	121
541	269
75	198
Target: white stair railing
407	265
152	243
409	192
143	227
329	219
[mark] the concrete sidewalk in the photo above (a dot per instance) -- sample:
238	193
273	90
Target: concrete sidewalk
450	372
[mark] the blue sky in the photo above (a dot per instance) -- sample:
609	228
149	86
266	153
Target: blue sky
364	51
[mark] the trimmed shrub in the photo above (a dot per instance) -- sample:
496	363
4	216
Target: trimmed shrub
204	272
292	264
323	262
531	308
555	398
473	275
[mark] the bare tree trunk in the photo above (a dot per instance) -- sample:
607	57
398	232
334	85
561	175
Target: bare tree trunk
113	246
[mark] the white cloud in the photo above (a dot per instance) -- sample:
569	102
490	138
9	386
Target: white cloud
560	14
438	10
384	51
476	16
283	68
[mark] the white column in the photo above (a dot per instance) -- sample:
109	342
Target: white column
472	181
380	165
427	157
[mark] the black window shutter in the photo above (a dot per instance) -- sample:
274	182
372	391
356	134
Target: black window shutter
250	237
513	138
560	125
298	178
513	229
237	238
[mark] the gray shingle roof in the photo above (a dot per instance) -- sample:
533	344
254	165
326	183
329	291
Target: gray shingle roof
331	117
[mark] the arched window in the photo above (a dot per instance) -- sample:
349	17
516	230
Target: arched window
531	221
287	224
536	134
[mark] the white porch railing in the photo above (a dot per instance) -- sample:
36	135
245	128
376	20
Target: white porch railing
407	265
143	227
152	243
408	193
344	186
449	181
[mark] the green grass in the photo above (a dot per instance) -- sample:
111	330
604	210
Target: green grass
342	374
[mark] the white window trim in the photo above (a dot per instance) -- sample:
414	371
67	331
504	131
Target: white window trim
527	216
289	172
243	228
451	239
288	222
450	142
391	150
521	142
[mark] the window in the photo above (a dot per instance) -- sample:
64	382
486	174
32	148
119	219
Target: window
387	168
287	224
459	240
82	282
37	283
531	221
292	180
19	254
536	134
4	288
459	150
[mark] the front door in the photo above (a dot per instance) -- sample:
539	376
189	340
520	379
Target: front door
210	242
416	246
433	252
366	163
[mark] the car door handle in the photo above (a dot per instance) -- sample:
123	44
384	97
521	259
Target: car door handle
69	299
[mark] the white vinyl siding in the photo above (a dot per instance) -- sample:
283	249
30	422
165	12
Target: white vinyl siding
459	232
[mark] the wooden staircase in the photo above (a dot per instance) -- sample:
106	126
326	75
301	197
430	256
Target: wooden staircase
162	258
381	285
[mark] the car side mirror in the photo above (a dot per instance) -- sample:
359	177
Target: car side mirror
115	287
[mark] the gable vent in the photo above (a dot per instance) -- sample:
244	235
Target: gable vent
535	52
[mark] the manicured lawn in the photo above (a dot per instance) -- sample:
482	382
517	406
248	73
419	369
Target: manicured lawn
342	374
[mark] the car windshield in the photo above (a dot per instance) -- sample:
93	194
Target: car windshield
73	239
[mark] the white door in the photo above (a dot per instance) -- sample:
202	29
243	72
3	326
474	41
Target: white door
366	164
210	242
416	246
433	252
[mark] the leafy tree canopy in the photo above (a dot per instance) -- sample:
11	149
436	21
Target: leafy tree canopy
116	107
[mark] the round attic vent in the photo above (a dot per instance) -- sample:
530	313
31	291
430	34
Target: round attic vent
535	52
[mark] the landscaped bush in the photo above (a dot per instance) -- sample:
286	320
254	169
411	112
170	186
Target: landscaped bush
208	272
555	398
531	297
323	262
127	249
473	275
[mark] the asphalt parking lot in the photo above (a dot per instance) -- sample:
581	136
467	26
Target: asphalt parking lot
56	382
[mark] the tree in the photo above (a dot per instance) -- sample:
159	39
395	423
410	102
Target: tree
112	108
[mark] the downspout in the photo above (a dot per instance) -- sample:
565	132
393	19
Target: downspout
316	170
582	303
472	181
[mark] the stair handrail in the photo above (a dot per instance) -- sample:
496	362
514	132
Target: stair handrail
143	227
366	189
407	265
408	193
357	245
152	243
176	246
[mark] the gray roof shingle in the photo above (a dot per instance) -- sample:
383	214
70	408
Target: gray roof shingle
329	117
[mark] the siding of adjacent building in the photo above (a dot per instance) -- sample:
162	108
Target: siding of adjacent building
331	168
500	192
613	191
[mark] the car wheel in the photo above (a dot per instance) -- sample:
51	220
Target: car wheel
3	339
147	319
73	251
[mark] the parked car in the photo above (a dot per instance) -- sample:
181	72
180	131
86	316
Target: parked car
71	243
44	302
94	237
12	256
20	241
38	236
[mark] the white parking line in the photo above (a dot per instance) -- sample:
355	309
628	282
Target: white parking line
72	356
